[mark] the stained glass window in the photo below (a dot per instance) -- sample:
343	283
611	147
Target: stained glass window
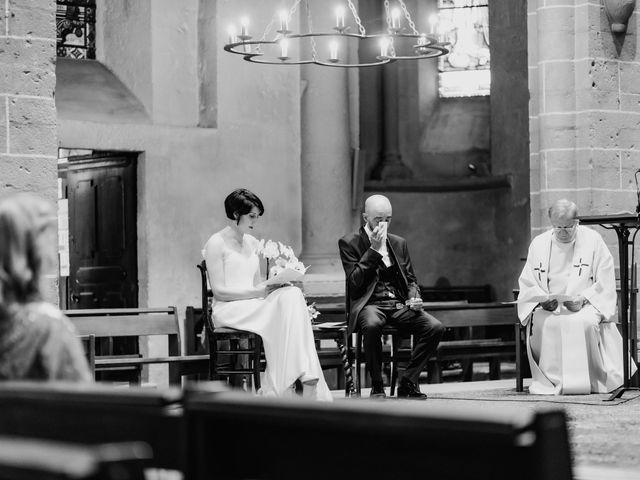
465	71
76	28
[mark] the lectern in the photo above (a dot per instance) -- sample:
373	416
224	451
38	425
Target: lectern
622	225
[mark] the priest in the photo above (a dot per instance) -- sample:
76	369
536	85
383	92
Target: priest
567	302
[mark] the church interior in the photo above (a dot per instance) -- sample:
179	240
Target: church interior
137	118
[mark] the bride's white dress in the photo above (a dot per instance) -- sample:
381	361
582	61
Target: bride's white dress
281	319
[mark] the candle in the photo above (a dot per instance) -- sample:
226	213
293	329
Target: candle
422	40
433	20
395	18
339	16
231	30
284	21
244	27
333	51
284	48
384	47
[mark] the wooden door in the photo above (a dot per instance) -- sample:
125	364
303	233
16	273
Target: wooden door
101	190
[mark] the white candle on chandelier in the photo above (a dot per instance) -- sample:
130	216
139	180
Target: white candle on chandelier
284	21
231	30
422	40
384	47
339	16
284	47
333	51
395	18
433	21
244	27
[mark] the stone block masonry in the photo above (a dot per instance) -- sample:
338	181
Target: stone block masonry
28	138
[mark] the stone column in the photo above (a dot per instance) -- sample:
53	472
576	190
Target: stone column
28	139
326	170
390	165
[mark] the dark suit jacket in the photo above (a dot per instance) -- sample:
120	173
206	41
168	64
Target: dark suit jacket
362	265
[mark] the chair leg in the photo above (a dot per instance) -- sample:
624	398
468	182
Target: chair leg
358	352
213	358
395	340
257	350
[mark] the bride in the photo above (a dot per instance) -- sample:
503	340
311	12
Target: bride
279	316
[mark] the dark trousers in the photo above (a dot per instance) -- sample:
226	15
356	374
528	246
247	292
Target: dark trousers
426	330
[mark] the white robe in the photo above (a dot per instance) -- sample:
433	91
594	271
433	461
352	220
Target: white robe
573	352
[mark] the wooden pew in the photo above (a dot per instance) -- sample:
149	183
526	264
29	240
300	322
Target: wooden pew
125	322
239	436
486	314
33	459
93	414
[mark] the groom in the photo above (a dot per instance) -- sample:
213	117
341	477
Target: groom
382	289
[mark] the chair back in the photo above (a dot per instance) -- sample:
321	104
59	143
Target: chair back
206	293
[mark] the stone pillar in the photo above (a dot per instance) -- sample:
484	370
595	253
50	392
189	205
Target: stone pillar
390	165
28	141
326	171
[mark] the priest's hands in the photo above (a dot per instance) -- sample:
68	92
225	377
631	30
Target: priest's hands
576	304
550	305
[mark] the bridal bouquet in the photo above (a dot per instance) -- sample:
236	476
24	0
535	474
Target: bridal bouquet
282	258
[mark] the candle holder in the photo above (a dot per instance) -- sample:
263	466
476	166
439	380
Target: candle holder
259	50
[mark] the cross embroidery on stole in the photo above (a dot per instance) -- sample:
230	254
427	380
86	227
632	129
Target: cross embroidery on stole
580	265
540	271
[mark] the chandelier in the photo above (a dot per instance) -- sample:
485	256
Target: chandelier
400	41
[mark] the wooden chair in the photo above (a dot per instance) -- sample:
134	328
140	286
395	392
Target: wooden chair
252	353
35	459
387	330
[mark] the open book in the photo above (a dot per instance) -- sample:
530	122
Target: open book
543	298
284	276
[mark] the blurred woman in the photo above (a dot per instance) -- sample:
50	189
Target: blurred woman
37	341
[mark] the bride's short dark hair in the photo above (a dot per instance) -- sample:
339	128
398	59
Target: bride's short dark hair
241	201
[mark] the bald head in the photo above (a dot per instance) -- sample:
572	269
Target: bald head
377	208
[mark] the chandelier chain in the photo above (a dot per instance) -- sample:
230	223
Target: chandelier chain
314	53
392	50
361	28
407	15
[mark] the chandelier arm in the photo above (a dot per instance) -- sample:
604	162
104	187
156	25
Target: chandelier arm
407	15
356	17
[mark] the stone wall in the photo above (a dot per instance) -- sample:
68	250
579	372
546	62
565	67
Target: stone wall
584	111
28	143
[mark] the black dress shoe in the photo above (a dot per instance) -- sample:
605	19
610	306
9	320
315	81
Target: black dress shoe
408	389
377	392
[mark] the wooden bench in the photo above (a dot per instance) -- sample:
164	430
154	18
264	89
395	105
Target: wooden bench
459	314
34	459
92	414
312	440
473	315
139	322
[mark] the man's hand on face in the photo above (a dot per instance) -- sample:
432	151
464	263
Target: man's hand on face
576	304
377	237
550	305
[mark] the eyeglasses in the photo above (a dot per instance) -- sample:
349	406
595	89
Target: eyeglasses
566	229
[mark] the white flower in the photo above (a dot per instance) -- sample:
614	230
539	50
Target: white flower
270	250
